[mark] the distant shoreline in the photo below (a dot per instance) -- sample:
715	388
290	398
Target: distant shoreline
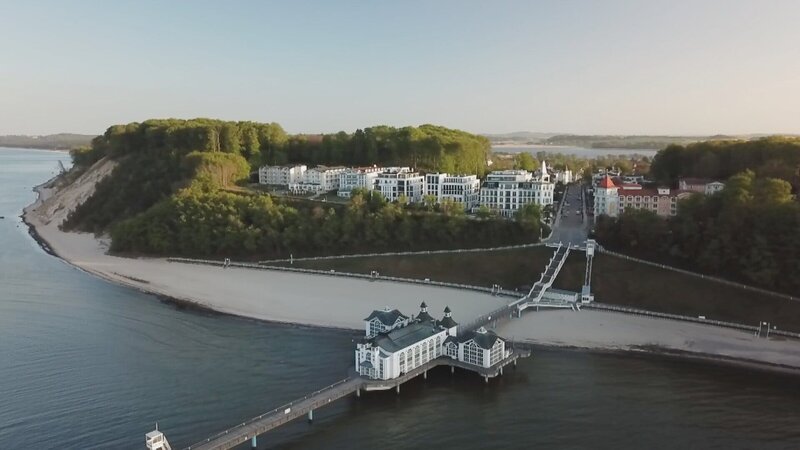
45	149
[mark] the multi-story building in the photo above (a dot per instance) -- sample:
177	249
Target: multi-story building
395	345
401	346
462	189
318	180
700	185
357	178
507	191
394	182
281	175
612	200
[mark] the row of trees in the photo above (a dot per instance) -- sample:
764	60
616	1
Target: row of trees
427	147
774	157
202	221
748	232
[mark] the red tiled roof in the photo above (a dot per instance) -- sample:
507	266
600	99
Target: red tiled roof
607	183
651	192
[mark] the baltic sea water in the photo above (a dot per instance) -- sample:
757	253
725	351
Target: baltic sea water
88	364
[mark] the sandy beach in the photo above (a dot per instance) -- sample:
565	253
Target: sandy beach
343	303
259	294
602	330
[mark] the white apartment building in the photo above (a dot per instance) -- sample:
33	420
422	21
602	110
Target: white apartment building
396	181
463	189
318	180
281	175
358	177
506	191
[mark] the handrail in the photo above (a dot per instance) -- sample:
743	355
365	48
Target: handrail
272	411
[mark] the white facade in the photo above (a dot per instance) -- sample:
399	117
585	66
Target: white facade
318	180
507	191
281	175
563	176
404	345
606	198
482	348
462	189
357	178
396	181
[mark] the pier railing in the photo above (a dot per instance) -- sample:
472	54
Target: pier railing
362	276
660	315
410	253
236	428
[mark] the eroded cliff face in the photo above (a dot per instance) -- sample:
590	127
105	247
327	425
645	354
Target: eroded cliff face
59	197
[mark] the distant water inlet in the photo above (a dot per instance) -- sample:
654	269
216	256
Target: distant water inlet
573	151
88	364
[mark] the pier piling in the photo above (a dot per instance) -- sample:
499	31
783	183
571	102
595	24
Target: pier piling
398	389
254	443
311	416
425	375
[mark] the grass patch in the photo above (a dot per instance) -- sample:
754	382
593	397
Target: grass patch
614	281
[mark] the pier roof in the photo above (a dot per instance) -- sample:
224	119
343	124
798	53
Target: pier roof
401	338
484	340
387	317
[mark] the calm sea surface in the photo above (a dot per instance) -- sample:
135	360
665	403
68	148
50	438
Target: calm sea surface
574	151
88	364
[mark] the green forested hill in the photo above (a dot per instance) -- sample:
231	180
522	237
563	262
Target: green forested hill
747	232
166	195
775	157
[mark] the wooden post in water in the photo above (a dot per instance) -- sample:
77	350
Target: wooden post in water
398	388
311	416
254	443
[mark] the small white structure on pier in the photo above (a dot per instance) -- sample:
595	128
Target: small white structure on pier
586	290
155	440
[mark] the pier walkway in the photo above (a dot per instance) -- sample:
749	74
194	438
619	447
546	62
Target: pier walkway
249	430
546	280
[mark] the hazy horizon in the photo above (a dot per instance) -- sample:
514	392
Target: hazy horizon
615	68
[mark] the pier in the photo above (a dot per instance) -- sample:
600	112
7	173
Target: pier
354	384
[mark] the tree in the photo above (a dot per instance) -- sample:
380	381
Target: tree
772	191
525	161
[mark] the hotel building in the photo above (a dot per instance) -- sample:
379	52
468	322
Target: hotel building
281	175
506	191
612	200
464	189
358	177
394	182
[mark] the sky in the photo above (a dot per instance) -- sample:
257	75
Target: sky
589	67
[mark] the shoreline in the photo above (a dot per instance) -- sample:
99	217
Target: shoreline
297	302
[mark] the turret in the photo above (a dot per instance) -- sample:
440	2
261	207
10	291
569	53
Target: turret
423	315
448	323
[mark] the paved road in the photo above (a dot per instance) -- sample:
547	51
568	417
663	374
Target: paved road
572	225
